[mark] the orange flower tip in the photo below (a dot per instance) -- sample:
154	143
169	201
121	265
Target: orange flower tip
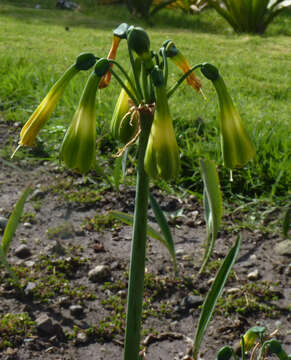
15	151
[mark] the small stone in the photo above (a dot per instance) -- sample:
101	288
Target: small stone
254	275
3	222
38	194
64	301
55	248
30	263
210	281
81	338
27	225
283	248
44	324
122	293
233	290
99	273
23	251
253	257
29	287
180	252
288	270
76	310
187	257
192	301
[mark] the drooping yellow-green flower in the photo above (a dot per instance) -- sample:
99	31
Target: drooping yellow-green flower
162	153
123	125
180	60
79	144
237	148
46	107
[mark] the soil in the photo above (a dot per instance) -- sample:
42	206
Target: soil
85	319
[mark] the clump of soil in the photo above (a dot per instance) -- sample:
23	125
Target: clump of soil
72	259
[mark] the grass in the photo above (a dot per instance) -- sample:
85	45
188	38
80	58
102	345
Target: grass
37	45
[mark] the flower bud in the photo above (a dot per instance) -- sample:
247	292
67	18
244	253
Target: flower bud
162	153
209	71
123	126
85	61
45	109
237	148
179	59
139	41
79	144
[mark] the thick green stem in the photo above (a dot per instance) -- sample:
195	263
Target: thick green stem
138	249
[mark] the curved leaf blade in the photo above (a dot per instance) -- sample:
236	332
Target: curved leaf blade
213	295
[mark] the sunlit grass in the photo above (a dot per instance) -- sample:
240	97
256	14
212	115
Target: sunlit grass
37	45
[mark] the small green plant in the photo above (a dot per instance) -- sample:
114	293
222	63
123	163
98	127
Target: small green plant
251	16
256	342
10	230
142	113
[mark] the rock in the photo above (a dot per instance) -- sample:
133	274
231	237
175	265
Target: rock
288	270
23	251
180	252
29	287
192	301
254	275
99	273
3	222
64	301
81	338
27	225
44	324
76	310
253	257
283	248
55	248
233	290
38	194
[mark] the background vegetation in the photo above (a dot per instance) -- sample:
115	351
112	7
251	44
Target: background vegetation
38	44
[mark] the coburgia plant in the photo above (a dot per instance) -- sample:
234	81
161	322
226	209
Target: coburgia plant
256	343
142	116
250	16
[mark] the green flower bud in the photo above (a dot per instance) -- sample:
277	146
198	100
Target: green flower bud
225	353
139	41
275	347
78	147
237	148
101	67
122	126
85	61
252	335
162	153
209	71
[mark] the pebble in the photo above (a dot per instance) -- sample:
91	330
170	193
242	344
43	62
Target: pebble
38	194
45	324
283	248
3	222
253	257
76	310
64	301
29	287
81	338
99	273
27	225
233	290
288	270
192	301
180	252
254	275
23	251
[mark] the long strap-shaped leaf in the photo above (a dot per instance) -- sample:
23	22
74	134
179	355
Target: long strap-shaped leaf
213	295
13	221
212	206
164	226
151	232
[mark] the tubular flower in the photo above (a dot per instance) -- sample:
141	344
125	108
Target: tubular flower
46	107
179	59
79	144
123	125
111	55
162	153
237	148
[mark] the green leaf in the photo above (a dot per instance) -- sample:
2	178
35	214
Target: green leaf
151	232
213	295
117	172
212	204
161	220
14	220
4	262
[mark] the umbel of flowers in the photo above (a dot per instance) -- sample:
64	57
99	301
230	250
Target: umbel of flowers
141	115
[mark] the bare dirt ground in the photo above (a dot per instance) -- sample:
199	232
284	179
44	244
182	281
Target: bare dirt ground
78	316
